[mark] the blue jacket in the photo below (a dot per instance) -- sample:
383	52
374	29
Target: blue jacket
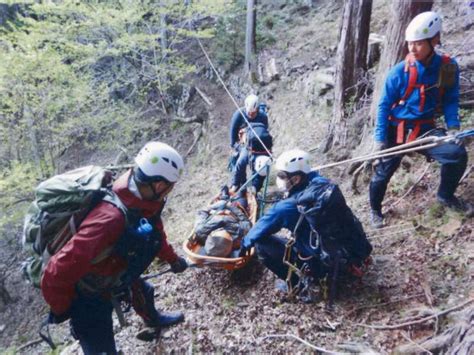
395	87
238	122
284	214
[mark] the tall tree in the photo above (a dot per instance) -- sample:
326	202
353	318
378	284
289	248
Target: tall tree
250	40
395	49
350	66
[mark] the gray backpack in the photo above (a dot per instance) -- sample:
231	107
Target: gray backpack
61	204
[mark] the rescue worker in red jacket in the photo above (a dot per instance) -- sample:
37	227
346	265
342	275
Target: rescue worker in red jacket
102	263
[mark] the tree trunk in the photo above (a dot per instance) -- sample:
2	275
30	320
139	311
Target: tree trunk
395	49
351	59
250	41
163	29
35	146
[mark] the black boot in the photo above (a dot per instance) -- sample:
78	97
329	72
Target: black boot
167	319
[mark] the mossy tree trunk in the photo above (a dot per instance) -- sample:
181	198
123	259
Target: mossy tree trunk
251	41
351	59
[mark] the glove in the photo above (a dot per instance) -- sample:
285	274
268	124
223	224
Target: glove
244	251
58	319
452	132
378	146
179	265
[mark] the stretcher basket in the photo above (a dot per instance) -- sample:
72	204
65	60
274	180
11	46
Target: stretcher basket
196	254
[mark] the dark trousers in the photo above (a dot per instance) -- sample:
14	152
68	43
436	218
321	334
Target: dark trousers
239	174
271	250
452	157
91	318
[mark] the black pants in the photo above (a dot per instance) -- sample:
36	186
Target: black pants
452	157
271	250
239	174
91	318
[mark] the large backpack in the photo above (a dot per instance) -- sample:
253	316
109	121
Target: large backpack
61	204
335	229
253	143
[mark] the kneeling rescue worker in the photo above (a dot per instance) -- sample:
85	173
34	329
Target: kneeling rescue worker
103	261
415	90
324	229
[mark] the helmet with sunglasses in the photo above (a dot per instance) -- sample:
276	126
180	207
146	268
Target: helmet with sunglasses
158	161
293	161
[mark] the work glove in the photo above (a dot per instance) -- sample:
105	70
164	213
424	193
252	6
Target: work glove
452	132
58	319
378	146
244	251
179	265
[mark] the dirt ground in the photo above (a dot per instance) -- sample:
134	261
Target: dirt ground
422	261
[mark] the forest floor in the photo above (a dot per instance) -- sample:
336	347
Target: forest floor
422	259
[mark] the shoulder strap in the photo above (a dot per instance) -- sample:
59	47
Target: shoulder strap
112	198
410	67
445	59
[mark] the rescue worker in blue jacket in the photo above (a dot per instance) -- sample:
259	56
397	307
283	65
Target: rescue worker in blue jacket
336	224
253	114
407	110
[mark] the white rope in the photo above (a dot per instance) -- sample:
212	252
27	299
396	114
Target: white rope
233	100
422	144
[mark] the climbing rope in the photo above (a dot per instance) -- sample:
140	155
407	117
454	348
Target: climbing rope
417	145
233	100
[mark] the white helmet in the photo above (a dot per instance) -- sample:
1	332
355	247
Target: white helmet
424	26
293	161
251	103
260	162
158	160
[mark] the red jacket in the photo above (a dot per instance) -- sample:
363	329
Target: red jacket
100	230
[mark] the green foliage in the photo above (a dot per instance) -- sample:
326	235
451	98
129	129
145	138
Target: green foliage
229	41
85	73
16	184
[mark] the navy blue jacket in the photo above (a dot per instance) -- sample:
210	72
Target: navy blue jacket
330	217
284	214
238	122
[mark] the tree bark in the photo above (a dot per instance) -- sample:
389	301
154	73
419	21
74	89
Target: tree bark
35	145
163	29
250	41
395	49
351	59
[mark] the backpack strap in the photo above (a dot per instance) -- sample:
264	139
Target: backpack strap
112	198
410	68
445	59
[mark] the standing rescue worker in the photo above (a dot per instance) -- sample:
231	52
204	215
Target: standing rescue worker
415	90
101	265
255	113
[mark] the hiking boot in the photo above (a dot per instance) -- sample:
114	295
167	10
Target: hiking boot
376	219
167	319
149	334
457	205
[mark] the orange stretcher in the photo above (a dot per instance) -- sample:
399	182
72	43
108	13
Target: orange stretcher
197	255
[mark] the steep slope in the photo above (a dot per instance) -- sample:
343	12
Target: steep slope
420	266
